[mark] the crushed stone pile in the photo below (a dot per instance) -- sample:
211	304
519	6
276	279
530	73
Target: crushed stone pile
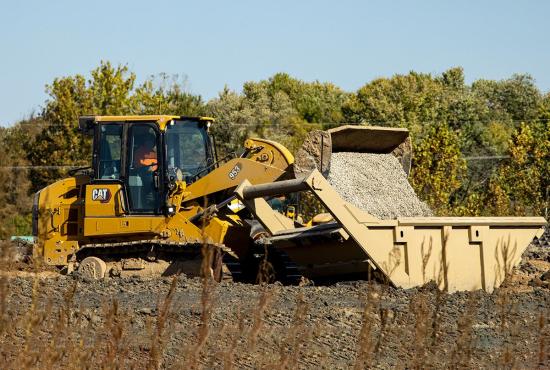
375	183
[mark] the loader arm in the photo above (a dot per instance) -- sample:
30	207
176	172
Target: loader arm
263	161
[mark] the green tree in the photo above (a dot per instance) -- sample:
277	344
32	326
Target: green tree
253	114
521	186
401	101
449	121
164	94
280	108
514	99
544	109
438	167
15	209
315	102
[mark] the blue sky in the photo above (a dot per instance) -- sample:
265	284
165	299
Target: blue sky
215	43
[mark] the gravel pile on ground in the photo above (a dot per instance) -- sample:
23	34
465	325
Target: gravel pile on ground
375	183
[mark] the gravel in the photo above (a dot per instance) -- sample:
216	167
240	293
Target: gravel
252	326
312	327
375	183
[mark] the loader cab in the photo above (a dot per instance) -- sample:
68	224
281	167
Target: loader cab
140	155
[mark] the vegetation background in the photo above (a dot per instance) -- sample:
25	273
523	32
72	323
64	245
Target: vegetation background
479	149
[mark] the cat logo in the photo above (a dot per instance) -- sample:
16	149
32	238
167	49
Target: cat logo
101	195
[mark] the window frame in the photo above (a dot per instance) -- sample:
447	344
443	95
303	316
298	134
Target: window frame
96	157
209	148
127	147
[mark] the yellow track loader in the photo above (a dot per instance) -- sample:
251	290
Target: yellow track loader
156	198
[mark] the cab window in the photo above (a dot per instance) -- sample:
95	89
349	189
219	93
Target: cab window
187	148
109	151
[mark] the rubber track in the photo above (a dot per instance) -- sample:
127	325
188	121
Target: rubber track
287	271
193	250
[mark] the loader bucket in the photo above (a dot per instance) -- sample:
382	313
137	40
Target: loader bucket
318	146
458	253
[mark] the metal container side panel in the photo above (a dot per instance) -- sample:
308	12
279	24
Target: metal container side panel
478	252
459	253
472	221
420	258
460	257
502	251
442	254
461	261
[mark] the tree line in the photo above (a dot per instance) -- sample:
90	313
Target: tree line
479	149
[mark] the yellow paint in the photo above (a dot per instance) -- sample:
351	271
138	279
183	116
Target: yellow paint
60	219
227	176
100	208
270	152
176	195
98	226
161	120
216	229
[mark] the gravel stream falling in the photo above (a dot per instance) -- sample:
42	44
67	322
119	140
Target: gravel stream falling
375	183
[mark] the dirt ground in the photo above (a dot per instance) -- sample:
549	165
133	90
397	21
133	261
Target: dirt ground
53	321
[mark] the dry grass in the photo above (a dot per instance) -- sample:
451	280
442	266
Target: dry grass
49	337
54	330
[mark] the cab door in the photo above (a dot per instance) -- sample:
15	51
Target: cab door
104	195
143	169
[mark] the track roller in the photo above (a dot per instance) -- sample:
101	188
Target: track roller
92	268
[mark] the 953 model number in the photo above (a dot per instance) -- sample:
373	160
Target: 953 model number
235	171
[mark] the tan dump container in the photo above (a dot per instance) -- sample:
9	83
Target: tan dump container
459	253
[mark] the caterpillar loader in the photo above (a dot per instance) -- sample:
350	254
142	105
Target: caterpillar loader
156	200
